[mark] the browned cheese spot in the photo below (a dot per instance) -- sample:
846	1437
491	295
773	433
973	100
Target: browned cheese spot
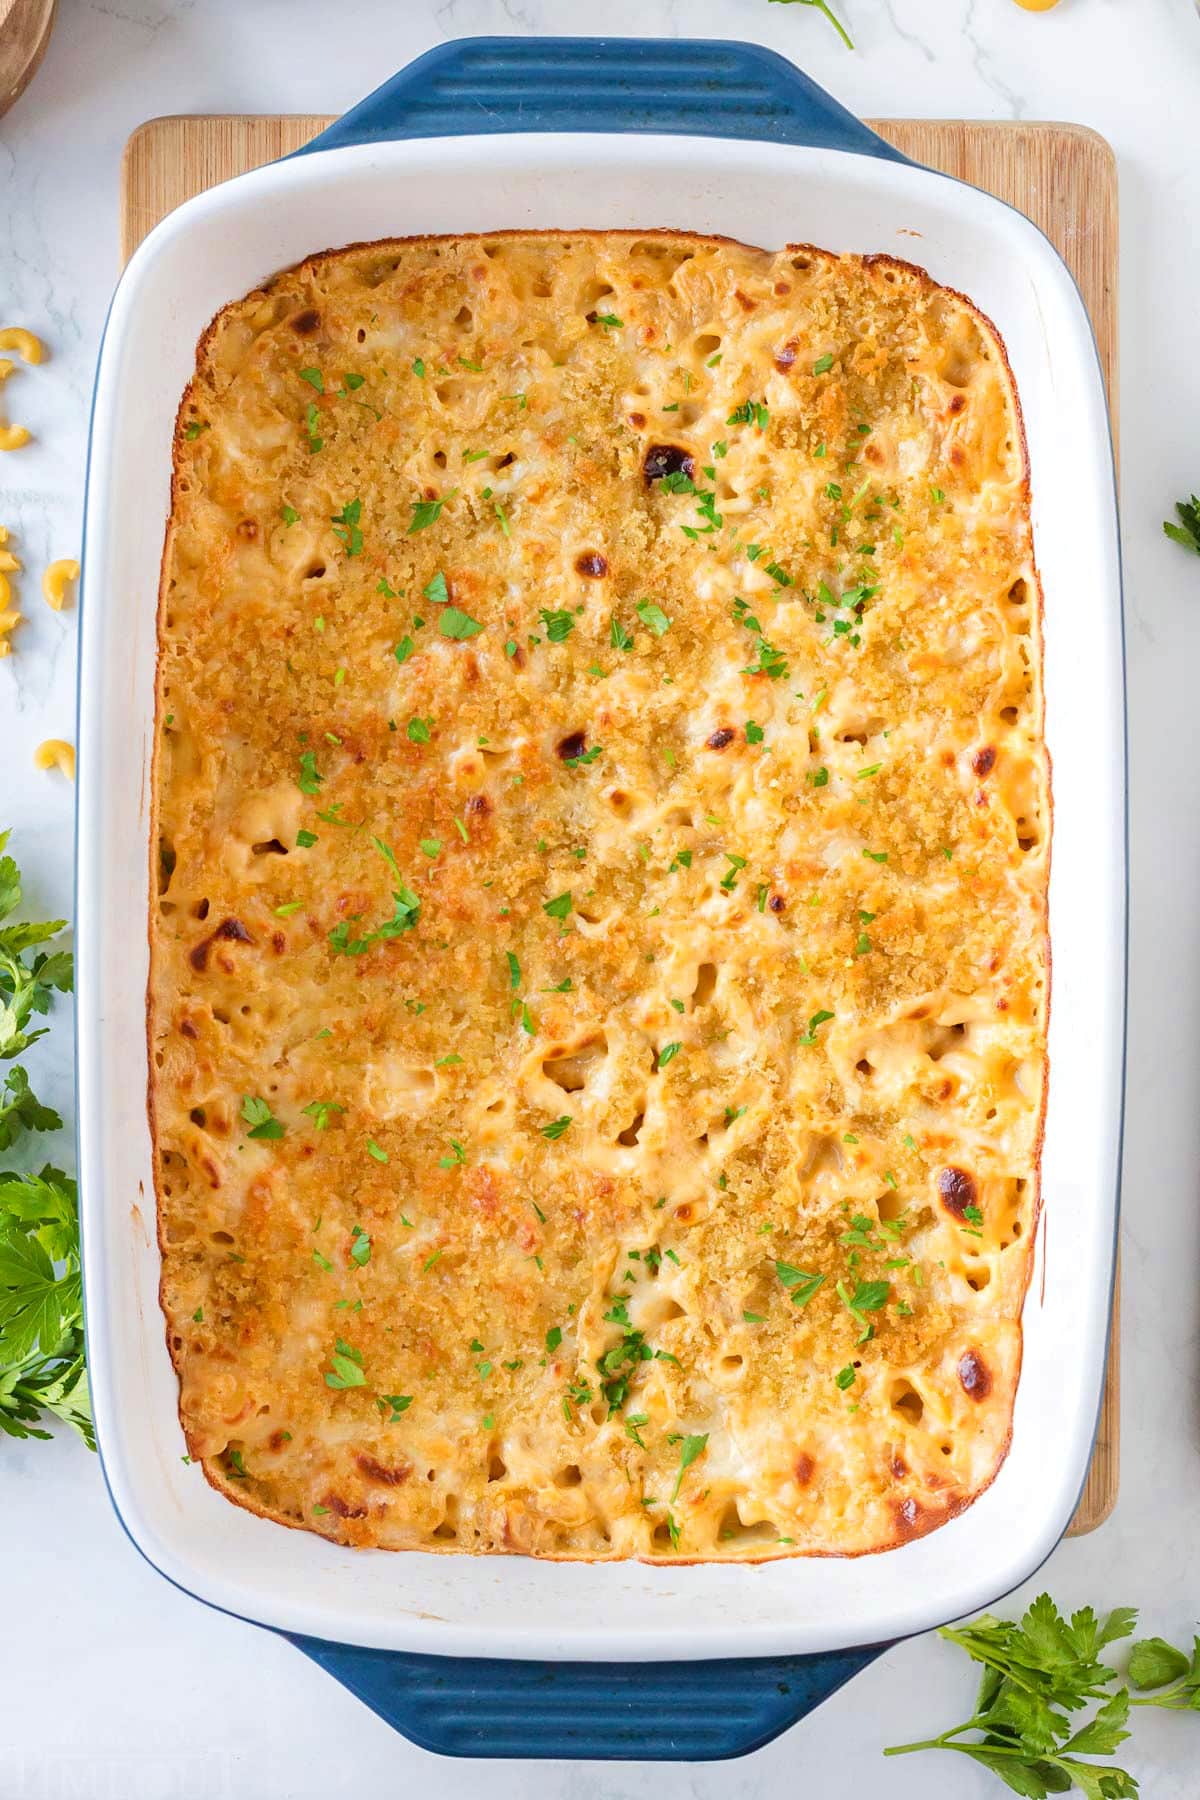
974	1375
957	1191
666	459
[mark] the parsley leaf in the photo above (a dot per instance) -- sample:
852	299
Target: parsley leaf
310	778
258	1115
693	1444
424	512
559	907
559	625
556	1127
42	1369
653	617
618	636
21	1110
347	1371
399	1403
26	984
346	527
458	625
1187	532
799	1283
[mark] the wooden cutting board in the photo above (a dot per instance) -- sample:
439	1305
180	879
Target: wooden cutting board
1063	176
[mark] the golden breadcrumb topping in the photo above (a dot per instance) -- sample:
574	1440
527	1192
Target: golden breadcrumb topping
599	950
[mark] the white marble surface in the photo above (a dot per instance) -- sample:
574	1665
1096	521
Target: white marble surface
116	1685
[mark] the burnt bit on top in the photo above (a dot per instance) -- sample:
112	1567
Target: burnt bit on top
306	322
232	930
591	564
975	1378
957	1191
984	760
721	737
666	459
572	746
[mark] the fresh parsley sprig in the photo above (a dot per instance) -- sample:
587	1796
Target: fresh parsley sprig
1187	532
1040	1670
26	983
1153	1663
41	1297
822	6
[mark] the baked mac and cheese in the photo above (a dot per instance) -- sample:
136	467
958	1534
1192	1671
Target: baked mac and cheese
599	967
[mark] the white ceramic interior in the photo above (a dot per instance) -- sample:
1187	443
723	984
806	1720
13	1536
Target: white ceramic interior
213	250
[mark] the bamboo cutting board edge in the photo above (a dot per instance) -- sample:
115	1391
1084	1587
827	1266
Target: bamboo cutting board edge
1063	177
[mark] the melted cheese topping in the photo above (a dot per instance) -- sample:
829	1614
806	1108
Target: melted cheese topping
599	972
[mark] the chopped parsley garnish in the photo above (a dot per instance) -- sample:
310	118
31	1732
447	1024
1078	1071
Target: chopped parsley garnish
750	412
257	1114
556	1127
668	1053
314	379
376	1151
799	1283
693	1444
360	1247
321	1111
559	625
289	515
347	1371
305	840
310	778
418	730
818	1018
609	321
393	1405
424	512
618	636
346	527
771	662
430	847
436	590
554	1338
653	617
823	364
754	733
458	625
845	1377
559	907
312	420
407	913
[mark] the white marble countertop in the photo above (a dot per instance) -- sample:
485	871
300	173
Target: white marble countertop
116	1684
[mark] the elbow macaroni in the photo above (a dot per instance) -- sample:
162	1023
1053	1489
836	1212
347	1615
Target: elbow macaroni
10	617
598	989
56	753
56	580
31	350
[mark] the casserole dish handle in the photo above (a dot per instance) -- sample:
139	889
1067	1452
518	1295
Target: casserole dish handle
482	1707
588	1712
686	87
